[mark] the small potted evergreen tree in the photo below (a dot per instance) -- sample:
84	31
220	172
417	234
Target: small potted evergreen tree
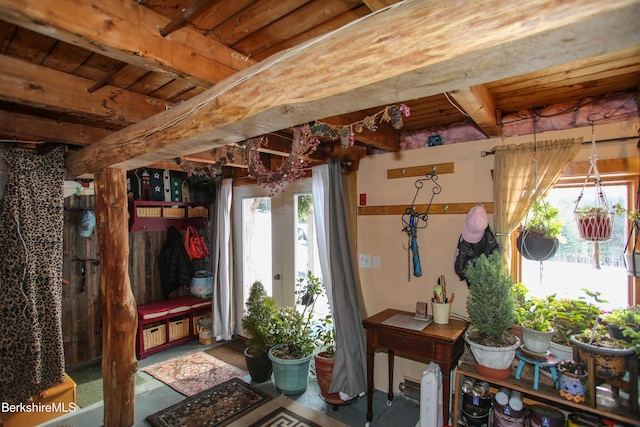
260	310
492	309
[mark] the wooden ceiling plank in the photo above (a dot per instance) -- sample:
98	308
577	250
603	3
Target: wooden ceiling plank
324	28
217	14
66	57
378	4
478	103
25	126
387	58
249	20
38	86
127	32
195	9
298	21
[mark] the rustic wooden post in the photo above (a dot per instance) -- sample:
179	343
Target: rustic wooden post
119	315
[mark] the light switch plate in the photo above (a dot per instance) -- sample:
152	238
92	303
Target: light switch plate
365	261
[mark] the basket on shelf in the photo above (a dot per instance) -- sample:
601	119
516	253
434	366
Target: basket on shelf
154	335
173	212
197	212
178	328
148	212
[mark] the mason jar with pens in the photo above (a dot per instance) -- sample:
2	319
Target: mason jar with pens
441	303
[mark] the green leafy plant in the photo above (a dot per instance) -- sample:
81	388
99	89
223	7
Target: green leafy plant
538	314
293	328
573	316
544	221
627	316
326	336
260	311
592	212
491	302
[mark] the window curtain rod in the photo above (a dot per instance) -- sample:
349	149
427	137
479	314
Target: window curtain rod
624	138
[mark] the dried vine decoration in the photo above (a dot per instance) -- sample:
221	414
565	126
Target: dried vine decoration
204	169
292	169
346	135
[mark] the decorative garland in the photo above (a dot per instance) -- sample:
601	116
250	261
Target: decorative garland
345	133
292	169
305	141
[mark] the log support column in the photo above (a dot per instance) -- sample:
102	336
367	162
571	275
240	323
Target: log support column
119	315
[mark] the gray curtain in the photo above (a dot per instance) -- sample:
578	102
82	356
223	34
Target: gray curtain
349	373
31	248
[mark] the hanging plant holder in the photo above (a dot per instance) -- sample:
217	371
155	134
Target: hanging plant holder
632	258
595	223
536	248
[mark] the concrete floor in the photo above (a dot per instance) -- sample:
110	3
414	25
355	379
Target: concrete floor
154	395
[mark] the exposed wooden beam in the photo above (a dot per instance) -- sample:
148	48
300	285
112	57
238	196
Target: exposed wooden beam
25	126
29	84
127	31
389	57
478	103
378	4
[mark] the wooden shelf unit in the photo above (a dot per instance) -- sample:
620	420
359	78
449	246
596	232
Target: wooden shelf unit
546	395
147	215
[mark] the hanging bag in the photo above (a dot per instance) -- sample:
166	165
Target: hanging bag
195	244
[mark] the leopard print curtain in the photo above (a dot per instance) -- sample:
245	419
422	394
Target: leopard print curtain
31	249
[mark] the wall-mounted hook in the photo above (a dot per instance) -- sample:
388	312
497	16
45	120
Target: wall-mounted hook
446	207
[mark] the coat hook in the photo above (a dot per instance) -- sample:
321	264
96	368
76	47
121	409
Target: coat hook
445	208
402	172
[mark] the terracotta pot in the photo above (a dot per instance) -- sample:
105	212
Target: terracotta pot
324	373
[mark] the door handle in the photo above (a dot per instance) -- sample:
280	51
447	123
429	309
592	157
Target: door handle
276	277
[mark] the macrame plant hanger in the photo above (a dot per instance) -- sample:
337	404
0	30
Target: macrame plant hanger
632	258
412	221
534	247
595	223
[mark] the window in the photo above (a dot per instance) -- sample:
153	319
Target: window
572	268
274	242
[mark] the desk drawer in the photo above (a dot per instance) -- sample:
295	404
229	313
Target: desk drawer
405	344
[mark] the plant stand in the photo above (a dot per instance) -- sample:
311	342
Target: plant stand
630	387
549	361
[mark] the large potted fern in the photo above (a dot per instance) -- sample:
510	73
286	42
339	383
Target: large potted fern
491	307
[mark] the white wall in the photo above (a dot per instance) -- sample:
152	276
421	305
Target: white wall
381	235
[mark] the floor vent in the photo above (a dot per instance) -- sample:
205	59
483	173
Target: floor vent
410	388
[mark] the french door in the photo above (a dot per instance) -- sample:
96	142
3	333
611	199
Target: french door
275	241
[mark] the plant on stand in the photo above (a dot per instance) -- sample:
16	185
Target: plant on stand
260	310
492	309
536	318
294	338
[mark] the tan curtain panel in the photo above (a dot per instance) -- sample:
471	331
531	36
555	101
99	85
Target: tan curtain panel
514	185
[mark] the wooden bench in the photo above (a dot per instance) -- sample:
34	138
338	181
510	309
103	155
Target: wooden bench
168	323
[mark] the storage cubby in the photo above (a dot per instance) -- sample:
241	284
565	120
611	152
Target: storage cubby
546	395
168	323
146	215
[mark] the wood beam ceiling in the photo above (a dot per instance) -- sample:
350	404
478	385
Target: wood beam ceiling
128	32
384	59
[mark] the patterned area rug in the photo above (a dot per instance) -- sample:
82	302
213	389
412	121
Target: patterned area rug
193	372
216	407
283	411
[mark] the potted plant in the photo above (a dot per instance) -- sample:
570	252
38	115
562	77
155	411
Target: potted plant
536	318
292	330
492	310
325	359
610	354
621	319
595	224
260	310
631	250
539	238
572	380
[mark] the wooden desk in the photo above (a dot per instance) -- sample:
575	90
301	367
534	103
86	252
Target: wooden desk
442	344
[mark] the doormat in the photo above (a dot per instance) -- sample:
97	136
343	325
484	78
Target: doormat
231	352
283	411
216	407
89	384
193	372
